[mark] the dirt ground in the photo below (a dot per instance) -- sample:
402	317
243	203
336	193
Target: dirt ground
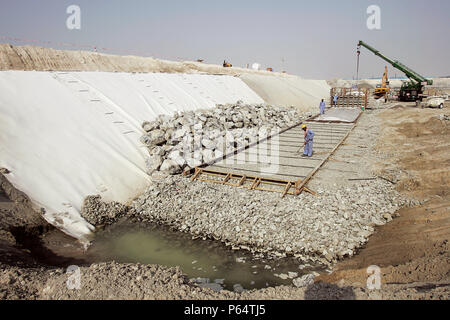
413	247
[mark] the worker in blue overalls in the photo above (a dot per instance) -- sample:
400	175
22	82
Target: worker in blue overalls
322	107
335	98
309	136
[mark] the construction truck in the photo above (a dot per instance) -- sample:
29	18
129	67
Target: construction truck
383	89
411	90
226	64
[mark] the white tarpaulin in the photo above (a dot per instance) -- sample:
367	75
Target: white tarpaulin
66	135
288	90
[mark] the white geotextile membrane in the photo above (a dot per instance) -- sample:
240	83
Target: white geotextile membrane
67	135
288	90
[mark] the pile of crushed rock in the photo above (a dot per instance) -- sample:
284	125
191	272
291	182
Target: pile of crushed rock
98	213
190	139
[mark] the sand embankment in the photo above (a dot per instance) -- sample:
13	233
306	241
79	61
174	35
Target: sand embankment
275	88
46	59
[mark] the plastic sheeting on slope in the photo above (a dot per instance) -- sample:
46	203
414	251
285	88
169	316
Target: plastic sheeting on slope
289	90
66	135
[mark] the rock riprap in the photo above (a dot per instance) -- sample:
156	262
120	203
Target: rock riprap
98	212
189	139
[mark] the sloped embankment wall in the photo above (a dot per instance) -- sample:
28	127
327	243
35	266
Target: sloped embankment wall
66	135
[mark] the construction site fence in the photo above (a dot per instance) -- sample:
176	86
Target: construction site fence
349	97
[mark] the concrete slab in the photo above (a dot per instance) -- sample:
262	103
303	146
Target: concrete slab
339	114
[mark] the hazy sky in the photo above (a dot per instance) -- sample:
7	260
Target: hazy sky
317	39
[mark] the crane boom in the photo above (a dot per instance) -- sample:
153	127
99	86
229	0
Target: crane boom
410	91
398	65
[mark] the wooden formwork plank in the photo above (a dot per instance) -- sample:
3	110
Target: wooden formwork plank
281	183
197	172
255	185
227	178
221	175
288	186
365	100
237	176
274	190
350	100
209	180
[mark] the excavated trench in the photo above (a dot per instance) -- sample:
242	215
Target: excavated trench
209	263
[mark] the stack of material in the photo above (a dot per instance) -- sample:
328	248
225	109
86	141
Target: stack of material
190	139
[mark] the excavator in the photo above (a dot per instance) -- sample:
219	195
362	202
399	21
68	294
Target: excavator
383	88
411	90
226	64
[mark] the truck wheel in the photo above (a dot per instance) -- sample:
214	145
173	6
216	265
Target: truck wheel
441	106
